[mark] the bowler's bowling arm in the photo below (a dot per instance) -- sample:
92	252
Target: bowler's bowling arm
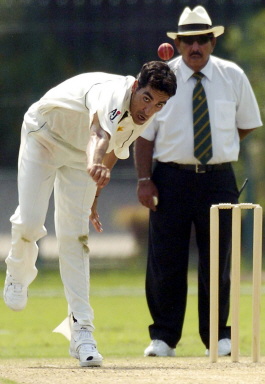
96	149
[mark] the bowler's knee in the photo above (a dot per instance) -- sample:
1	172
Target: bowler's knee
28	232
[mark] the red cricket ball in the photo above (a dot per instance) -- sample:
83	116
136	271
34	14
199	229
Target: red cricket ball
165	51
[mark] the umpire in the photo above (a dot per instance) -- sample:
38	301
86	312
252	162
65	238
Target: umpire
193	142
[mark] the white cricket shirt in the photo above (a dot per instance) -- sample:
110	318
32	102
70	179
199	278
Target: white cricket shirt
69	107
231	103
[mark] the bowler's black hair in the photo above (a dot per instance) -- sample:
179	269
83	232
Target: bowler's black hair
159	76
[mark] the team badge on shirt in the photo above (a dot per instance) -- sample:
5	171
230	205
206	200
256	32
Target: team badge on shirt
113	114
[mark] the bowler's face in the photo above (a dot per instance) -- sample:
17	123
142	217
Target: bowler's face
145	102
195	55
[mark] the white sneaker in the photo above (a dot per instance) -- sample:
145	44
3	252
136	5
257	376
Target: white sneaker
84	347
15	294
159	348
224	348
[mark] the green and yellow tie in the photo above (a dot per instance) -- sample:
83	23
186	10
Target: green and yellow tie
201	122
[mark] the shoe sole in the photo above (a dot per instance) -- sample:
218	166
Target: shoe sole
90	363
15	308
155	355
219	354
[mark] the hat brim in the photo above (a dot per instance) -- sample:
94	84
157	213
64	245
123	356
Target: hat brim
217	31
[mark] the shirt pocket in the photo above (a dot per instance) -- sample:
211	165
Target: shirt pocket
225	114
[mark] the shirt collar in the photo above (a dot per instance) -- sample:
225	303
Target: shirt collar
127	101
187	72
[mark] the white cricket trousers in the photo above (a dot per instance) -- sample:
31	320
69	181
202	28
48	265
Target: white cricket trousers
47	163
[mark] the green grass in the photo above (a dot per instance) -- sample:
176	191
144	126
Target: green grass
121	317
7	381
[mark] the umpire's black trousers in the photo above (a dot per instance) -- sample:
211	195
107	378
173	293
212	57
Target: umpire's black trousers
185	197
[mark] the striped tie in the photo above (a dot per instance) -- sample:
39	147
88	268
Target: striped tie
201	122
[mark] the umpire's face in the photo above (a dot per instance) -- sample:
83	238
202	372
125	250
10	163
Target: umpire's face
145	102
195	50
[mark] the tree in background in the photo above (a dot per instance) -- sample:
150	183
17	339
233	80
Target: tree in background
245	45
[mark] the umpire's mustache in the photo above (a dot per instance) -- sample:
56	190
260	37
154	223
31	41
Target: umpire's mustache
195	53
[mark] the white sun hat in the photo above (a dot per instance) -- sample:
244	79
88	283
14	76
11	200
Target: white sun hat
195	22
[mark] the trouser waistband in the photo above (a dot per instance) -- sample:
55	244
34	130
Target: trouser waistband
199	168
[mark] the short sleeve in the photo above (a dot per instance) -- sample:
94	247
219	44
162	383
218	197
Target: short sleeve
247	114
150	132
107	100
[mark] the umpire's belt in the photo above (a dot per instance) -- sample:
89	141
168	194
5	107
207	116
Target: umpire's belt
200	168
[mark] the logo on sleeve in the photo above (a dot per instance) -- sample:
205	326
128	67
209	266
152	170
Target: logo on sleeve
113	114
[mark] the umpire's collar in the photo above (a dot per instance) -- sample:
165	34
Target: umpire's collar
187	72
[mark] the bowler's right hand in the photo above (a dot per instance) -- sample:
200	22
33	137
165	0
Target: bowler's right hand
94	217
100	174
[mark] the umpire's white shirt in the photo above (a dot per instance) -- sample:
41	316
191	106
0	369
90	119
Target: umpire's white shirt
231	104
